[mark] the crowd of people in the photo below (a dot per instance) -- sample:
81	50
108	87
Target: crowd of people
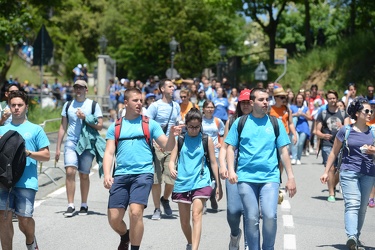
49	94
193	133
307	123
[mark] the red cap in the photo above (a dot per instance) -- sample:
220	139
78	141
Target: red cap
244	95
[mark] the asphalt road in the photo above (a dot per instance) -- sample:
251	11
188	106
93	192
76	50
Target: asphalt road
306	221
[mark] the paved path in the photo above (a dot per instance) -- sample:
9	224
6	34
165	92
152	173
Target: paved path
307	221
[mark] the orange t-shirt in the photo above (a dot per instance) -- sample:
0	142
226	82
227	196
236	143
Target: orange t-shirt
371	122
185	109
282	114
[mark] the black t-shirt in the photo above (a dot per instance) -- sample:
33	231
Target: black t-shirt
329	124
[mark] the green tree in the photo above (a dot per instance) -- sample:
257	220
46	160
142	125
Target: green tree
273	11
15	20
139	31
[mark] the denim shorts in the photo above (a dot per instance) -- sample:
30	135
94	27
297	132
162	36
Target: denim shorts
130	188
112	104
19	200
188	197
326	150
82	162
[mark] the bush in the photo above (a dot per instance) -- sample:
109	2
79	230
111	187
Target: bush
38	115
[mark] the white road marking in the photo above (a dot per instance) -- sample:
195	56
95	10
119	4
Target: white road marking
290	242
288	221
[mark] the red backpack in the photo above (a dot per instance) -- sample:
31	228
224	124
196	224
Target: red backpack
145	128
146	135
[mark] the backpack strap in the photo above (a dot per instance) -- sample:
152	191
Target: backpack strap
240	125
180	143
145	129
275	125
207	155
345	142
66	110
93	106
217	122
276	130
219	137
231	120
324	115
118	125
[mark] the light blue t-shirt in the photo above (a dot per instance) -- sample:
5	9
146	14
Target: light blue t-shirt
160	111
257	162
35	139
211	129
189	171
221	108
75	124
134	156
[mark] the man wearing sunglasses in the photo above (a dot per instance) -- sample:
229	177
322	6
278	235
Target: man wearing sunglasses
72	118
281	111
329	121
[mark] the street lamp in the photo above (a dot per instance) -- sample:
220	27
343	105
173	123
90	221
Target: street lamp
223	53
103	44
173	47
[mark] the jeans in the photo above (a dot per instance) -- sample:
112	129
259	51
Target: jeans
291	145
298	147
356	189
265	197
234	209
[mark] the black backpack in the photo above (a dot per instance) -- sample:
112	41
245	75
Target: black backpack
93	106
241	124
12	158
180	142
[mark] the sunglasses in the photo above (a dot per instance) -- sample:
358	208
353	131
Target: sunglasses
367	111
281	97
194	127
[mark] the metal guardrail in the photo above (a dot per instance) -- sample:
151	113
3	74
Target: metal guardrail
43	125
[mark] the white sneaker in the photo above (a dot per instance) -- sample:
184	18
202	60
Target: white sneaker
298	162
156	215
293	161
307	153
234	243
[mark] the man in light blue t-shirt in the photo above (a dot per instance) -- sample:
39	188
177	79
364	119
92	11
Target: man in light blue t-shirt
71	124
132	179
257	175
165	112
20	199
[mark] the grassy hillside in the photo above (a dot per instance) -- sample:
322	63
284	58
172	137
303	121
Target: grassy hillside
352	60
23	71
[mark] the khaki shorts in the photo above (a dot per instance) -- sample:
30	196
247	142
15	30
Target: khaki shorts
161	161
